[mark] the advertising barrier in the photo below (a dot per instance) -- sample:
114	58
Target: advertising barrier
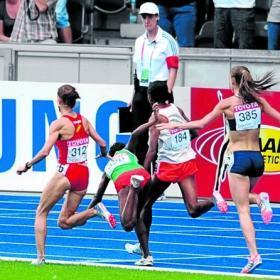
28	108
26	111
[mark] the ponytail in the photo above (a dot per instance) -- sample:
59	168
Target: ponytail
248	87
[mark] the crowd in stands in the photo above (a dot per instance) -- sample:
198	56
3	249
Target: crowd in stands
226	23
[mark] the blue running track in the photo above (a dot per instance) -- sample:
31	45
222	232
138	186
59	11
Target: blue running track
212	242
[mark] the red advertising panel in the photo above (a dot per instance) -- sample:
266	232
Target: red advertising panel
208	144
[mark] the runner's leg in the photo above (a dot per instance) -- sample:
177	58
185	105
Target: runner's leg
53	191
128	203
142	229
240	187
68	217
195	208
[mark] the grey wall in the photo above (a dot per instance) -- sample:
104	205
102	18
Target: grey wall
113	65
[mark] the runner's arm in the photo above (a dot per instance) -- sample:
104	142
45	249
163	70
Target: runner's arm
44	152
98	139
132	144
198	124
152	151
193	132
269	110
100	191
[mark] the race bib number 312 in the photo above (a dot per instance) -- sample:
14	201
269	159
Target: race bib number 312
77	154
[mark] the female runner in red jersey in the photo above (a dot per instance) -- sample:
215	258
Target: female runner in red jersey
70	133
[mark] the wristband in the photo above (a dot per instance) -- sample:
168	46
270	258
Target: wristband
103	151
27	166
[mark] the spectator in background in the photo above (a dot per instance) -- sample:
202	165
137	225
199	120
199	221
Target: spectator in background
234	22
273	31
8	13
178	17
35	22
156	56
62	22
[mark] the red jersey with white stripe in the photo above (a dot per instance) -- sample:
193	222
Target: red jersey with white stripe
74	150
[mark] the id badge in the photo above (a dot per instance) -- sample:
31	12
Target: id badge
145	76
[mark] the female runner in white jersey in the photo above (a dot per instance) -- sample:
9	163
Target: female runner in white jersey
244	159
70	133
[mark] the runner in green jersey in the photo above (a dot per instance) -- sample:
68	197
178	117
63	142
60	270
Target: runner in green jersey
130	178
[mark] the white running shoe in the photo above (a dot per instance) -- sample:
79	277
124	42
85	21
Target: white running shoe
105	214
149	261
266	211
253	262
38	261
136	181
133	248
221	203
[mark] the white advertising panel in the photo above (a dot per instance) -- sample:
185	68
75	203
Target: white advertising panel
28	108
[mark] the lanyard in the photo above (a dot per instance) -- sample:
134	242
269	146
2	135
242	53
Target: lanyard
151	56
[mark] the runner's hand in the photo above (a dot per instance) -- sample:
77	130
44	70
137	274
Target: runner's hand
155	109
23	168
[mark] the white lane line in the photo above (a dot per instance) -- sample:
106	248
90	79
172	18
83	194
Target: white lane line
200	219
103	239
186	255
193	229
162	260
161	233
94	220
254	207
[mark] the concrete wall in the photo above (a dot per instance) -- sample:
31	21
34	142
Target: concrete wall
113	65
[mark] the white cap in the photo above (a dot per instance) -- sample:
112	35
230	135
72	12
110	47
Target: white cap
149	8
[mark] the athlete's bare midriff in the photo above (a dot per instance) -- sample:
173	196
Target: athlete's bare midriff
247	140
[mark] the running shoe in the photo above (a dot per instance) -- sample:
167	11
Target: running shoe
148	261
133	248
136	180
253	262
38	261
105	214
221	203
265	207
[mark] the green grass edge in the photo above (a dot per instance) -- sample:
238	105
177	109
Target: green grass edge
10	270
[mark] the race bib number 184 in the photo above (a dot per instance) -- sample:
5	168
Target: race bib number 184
180	139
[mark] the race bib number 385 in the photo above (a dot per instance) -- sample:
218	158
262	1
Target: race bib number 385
247	116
